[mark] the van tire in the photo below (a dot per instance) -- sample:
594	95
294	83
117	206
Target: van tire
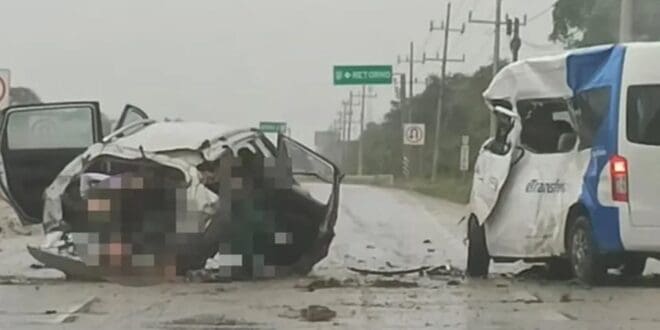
478	260
633	266
583	253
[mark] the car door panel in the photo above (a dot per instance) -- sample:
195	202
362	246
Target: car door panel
492	168
37	142
295	159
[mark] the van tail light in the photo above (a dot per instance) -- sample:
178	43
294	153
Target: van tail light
619	175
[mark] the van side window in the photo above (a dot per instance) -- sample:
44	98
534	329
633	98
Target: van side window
643	114
546	126
591	107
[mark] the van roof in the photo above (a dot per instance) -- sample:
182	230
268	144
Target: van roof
548	77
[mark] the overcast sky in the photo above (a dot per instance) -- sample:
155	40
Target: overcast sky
237	62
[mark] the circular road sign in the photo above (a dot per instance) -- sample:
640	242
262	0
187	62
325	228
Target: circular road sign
414	134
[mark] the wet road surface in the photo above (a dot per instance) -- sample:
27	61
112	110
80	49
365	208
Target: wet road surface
379	229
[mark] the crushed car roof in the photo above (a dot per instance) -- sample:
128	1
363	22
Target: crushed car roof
166	136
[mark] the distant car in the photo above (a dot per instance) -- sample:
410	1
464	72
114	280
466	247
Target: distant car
164	196
570	177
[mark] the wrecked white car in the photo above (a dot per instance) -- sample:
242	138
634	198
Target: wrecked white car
164	198
570	178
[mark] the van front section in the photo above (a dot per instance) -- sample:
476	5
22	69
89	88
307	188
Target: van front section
635	175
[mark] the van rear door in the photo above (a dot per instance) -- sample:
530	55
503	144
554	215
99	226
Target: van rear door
641	154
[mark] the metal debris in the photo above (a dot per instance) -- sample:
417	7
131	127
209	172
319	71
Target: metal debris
419	270
453	282
446	270
317	313
393	284
210	320
73	312
323	284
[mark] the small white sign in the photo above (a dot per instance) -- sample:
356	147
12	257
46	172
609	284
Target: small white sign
414	134
4	88
464	165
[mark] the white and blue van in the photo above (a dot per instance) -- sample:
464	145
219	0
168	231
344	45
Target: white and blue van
571	175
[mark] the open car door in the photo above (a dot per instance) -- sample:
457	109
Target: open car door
321	200
494	162
38	141
129	115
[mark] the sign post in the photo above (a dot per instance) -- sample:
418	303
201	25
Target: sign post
464	165
4	88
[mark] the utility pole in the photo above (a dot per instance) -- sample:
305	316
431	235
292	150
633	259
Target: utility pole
411	60
626	21
412	85
407	151
349	121
360	140
496	47
446	26
350	116
342	120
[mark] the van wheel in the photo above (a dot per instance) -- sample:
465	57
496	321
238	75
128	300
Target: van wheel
633	266
559	269
478	259
585	261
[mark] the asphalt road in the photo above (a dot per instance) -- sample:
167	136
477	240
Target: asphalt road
378	229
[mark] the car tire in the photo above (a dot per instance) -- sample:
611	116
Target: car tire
560	269
478	260
633	266
585	259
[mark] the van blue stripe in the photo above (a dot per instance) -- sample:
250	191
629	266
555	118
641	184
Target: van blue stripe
586	71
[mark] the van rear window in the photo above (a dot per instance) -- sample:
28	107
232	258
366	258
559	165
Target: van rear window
592	107
643	114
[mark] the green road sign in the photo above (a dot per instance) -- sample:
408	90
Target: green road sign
272	127
363	74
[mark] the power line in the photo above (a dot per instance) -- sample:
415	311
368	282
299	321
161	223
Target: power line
543	12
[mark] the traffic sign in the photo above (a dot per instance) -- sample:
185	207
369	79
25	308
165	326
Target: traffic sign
363	74
414	134
464	165
272	127
4	88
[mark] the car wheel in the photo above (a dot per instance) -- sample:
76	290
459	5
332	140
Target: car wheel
478	259
560	269
633	266
585	261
